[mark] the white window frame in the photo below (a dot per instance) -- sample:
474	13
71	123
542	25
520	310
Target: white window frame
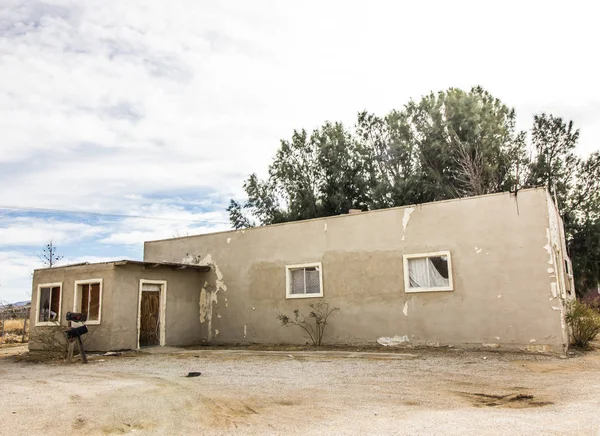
288	280
409	289
39	323
76	295
162	310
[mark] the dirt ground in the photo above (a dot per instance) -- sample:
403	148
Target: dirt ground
251	392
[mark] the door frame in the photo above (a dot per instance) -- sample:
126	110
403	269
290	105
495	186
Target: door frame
162	309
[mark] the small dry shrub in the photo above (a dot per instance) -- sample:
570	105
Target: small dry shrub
50	339
584	322
319	314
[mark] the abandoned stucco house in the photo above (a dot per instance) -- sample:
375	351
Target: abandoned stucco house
488	271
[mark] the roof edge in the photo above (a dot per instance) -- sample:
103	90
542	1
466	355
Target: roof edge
346	215
125	262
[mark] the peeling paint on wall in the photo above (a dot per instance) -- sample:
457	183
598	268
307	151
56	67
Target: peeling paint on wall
208	293
325	229
405	219
228	240
203	304
491	345
539	348
245	331
405	309
556	255
478	250
553	289
206	309
391	341
548	247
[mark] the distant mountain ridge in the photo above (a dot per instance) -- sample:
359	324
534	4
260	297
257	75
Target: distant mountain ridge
20	303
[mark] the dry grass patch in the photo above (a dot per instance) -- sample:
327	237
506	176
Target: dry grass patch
13	331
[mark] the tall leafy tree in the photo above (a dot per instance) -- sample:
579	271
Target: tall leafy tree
342	168
391	160
314	175
468	143
449	144
584	224
555	163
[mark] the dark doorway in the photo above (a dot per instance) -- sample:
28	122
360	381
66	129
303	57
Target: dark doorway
149	318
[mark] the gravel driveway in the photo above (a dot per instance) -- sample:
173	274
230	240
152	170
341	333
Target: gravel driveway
449	392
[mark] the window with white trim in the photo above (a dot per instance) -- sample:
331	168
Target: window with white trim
88	299
49	299
428	272
304	281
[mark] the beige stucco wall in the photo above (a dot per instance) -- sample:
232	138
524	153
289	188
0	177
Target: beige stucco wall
120	296
502	282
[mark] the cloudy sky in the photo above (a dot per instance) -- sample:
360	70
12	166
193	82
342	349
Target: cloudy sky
136	109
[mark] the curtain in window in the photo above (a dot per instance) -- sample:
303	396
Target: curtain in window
422	273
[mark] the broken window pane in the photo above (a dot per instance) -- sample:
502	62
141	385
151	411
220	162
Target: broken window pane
94	308
55	303
85	298
44	304
428	272
90	301
49	304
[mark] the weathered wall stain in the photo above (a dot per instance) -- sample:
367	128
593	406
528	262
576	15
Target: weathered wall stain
393	341
209	293
405	219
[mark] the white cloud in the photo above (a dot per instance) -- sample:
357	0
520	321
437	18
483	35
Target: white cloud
16	269
32	231
102	99
137	237
134	231
15	275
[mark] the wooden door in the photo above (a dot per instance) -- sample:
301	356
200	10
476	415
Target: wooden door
149	318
